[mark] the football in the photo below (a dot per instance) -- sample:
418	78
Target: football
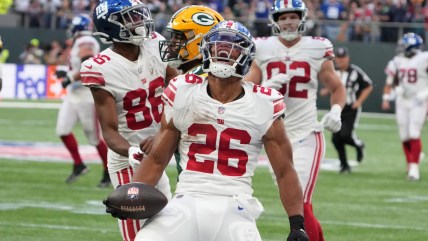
135	201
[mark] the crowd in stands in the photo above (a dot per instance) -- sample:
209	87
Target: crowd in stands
346	20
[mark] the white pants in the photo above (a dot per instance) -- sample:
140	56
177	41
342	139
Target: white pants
195	217
307	156
411	115
83	111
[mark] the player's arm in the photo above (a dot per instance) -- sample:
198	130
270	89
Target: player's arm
387	89
366	85
170	74
329	78
165	143
279	152
106	111
255	74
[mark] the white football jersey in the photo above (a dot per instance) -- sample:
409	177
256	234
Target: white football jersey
413	75
136	87
75	89
219	143
394	64
302	62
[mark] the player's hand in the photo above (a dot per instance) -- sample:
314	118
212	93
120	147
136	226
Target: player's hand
146	144
385	105
297	229
277	81
135	155
112	211
61	74
298	235
332	121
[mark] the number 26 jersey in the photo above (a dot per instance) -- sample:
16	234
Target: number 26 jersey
219	143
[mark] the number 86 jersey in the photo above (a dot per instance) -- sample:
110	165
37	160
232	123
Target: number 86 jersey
219	143
136	87
301	63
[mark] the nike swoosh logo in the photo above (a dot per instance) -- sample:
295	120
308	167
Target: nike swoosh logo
89	67
240	208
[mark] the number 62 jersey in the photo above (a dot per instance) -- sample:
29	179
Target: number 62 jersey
302	63
219	143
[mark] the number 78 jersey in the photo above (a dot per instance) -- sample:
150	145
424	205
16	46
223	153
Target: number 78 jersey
301	63
219	143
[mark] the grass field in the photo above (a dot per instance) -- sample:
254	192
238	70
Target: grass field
375	202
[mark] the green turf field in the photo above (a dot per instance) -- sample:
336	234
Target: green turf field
375	202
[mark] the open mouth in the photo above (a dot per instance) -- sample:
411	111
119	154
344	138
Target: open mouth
223	53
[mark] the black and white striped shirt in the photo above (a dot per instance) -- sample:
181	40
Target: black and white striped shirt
355	80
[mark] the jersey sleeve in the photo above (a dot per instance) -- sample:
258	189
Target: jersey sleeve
270	105
178	87
390	68
326	48
91	74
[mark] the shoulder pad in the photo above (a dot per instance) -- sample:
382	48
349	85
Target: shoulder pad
179	82
91	74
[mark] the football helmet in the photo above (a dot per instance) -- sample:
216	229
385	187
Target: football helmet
186	28
126	21
80	25
219	46
279	7
411	43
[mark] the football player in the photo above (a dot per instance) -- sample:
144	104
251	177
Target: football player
294	65
78	104
127	81
220	123
409	69
181	51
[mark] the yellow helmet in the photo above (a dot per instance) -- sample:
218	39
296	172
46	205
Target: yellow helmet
187	26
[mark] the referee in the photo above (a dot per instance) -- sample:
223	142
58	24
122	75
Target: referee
358	87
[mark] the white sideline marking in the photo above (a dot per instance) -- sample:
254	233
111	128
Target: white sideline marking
32	105
56	227
356	224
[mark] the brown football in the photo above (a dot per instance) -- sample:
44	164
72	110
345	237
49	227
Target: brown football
136	200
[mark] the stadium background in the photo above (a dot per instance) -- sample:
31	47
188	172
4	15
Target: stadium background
368	28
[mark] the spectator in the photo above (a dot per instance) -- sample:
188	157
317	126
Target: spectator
35	13
261	8
332	10
53	53
32	53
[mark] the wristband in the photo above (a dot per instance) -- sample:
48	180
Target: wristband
386	97
336	109
296	222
